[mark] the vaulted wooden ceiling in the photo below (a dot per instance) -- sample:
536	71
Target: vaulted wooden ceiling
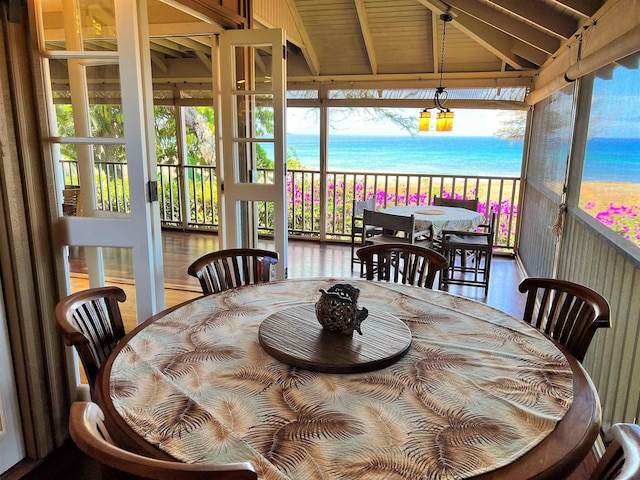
341	38
373	40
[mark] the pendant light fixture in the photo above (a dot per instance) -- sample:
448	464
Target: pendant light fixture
444	117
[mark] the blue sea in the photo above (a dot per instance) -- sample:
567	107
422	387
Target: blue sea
608	159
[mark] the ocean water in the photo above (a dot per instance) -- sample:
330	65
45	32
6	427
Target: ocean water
616	160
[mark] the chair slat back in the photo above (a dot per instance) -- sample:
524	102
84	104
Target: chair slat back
88	431
390	222
91	321
231	268
568	312
360	206
621	459
469	204
402	263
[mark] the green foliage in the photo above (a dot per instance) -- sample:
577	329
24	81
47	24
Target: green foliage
64	119
165	133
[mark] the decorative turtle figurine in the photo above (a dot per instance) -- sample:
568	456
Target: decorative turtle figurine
337	310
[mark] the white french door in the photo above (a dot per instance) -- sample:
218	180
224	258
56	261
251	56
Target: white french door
252	87
98	42
102	139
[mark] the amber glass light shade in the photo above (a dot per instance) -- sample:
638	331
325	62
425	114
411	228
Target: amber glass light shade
423	122
444	121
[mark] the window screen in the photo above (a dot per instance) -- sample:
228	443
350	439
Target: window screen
610	189
551	136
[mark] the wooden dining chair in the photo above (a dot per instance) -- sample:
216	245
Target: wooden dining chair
402	263
469	255
91	321
225	269
88	431
621	459
568	312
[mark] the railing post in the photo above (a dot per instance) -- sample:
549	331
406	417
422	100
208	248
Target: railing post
324	148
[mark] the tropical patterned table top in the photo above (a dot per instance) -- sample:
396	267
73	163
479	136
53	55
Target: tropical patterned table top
477	389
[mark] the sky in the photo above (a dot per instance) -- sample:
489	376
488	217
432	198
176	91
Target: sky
465	123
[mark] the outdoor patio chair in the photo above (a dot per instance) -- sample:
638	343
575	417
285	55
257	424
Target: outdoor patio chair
357	226
88	431
225	269
91	321
395	229
402	263
71	200
568	312
471	204
469	255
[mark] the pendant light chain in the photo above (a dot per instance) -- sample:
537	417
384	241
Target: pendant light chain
445	17
444	117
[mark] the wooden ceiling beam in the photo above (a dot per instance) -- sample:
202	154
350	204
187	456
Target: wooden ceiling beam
584	8
307	50
542	15
508	24
511	50
366	35
159	62
206	61
157	47
497	42
208	12
193	45
169	44
183	29
414	80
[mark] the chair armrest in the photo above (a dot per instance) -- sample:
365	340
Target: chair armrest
464	233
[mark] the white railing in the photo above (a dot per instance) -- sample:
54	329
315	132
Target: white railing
306	197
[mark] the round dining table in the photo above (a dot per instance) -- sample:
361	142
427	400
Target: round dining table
439	218
459	389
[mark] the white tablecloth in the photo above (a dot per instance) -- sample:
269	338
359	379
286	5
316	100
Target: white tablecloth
442	218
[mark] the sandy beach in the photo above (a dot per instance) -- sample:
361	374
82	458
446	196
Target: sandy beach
605	193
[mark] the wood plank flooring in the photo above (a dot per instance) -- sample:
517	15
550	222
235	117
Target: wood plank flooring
306	260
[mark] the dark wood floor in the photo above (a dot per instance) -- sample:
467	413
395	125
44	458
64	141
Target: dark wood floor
306	259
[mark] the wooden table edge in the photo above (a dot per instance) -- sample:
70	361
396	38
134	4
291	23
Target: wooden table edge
555	457
120	431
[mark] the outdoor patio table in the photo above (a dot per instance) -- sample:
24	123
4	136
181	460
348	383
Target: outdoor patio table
479	394
442	218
